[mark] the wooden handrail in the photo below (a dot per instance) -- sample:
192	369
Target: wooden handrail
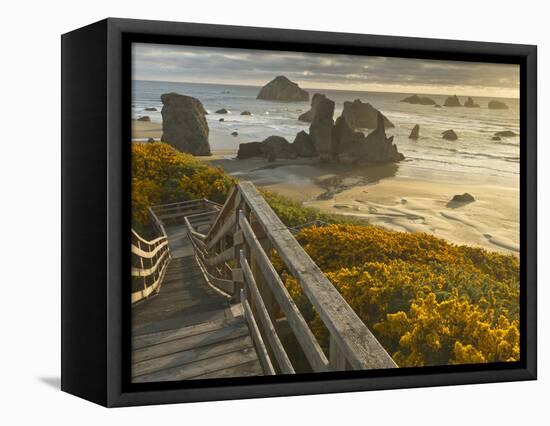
156	253
235	258
255	228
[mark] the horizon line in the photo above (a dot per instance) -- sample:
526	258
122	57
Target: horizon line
319	89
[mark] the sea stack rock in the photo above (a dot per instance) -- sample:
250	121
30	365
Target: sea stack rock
282	89
415	132
378	148
463	198
184	124
307	116
449	135
320	129
497	105
250	150
144	118
351	147
222	111
506	133
420	100
452	101
278	147
272	148
470	103
303	145
363	115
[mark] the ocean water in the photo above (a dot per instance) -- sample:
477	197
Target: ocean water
473	153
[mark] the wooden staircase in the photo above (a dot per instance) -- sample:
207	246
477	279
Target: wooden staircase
214	306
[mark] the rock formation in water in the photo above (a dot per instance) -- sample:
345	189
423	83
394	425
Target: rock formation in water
452	101
184	124
272	148
506	133
496	138
449	135
222	111
353	147
144	118
278	147
282	89
320	129
415	132
235	133
360	115
470	103
303	145
497	105
250	150
246	113
307	116
379	148
420	100
463	198
150	109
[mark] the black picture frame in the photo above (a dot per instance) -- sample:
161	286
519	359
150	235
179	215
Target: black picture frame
95	211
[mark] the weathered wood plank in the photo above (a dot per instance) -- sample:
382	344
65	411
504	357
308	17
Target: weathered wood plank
186	343
252	368
143	240
155	338
138	272
261	350
361	349
201	367
149	254
190	355
221	232
269	330
224	256
305	337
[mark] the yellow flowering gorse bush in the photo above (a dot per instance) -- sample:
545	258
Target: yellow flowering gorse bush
429	302
161	174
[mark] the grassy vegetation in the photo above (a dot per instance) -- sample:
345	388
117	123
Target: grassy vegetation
429	302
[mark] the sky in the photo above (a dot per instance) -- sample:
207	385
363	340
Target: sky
323	71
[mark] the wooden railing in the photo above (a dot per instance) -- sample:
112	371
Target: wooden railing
235	255
149	262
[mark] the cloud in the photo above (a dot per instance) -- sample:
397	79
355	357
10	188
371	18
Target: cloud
311	70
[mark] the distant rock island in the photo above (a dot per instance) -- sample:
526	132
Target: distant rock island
420	100
283	90
184	124
497	105
470	103
449	135
415	132
452	101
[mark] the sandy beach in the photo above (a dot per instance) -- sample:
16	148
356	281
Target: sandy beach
400	196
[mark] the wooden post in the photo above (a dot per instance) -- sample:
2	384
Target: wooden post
336	357
263	284
141	264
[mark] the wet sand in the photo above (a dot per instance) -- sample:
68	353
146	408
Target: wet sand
395	196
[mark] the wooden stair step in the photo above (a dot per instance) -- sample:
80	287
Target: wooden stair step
202	367
179	359
179	345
